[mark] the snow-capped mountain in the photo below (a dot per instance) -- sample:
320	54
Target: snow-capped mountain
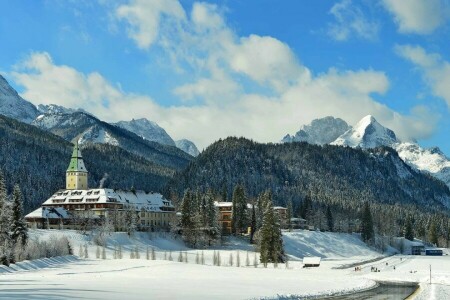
188	147
14	106
320	131
55	109
148	130
367	133
430	160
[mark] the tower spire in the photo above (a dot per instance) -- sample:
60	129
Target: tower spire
76	174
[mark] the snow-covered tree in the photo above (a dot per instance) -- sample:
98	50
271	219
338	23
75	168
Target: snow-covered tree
19	231
130	220
270	241
289	214
239	215
6	243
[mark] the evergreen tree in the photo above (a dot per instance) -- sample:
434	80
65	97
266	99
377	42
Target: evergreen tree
289	215
432	233
270	243
19	229
130	220
330	221
6	244
367	232
253	223
239	221
408	231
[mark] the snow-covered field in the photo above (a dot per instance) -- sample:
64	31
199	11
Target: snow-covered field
93	278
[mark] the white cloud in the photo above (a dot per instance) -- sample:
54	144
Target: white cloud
436	71
219	60
144	18
267	60
265	119
418	16
350	20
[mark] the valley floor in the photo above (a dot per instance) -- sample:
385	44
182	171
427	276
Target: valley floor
92	278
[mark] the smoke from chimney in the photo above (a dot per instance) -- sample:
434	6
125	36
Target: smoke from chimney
102	181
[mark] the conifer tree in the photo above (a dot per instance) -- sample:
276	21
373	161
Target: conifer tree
239	221
253	223
289	215
330	221
432	233
19	229
367	233
271	243
6	244
408	231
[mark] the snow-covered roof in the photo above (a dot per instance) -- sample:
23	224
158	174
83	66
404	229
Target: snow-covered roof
313	260
48	213
138	199
229	204
279	208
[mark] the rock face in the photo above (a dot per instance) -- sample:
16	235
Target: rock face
368	133
148	130
14	106
188	147
320	131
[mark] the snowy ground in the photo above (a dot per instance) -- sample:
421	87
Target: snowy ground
93	278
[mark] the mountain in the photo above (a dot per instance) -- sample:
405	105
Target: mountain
293	170
88	129
148	130
14	106
320	131
55	109
367	133
188	147
431	160
37	160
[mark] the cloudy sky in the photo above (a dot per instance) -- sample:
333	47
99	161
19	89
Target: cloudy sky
253	68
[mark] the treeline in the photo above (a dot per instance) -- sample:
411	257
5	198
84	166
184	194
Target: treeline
37	161
320	181
199	226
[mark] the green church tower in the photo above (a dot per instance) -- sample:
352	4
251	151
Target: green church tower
76	174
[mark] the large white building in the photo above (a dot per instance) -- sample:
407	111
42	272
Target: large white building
77	203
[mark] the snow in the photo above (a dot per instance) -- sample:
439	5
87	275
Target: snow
367	133
14	106
148	130
188	147
140	199
162	279
97	135
48	213
320	131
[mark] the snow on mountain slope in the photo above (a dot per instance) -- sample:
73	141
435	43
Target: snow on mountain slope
368	133
188	147
148	130
95	134
430	160
320	131
55	109
14	106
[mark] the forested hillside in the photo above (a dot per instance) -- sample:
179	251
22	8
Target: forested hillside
37	161
296	169
316	178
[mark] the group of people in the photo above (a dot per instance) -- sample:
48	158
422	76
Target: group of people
358	269
374	269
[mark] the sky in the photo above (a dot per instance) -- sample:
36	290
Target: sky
254	68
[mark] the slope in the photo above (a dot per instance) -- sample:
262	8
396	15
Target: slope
88	129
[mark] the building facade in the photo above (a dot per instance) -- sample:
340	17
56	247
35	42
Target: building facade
77	204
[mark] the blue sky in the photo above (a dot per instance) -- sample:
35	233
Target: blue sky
257	68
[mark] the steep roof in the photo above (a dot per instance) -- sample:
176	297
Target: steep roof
76	161
139	200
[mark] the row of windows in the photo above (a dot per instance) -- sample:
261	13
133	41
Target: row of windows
76	174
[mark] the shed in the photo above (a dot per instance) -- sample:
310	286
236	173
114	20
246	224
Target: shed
312	261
